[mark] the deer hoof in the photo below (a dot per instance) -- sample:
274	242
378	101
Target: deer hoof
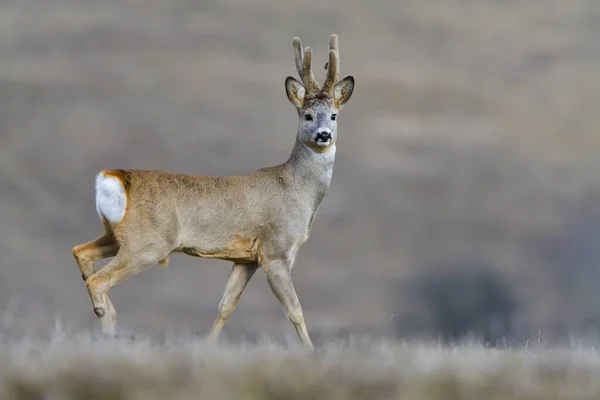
99	311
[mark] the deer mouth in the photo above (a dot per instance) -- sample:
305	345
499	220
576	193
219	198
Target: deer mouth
323	142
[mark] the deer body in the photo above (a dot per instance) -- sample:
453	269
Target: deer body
226	217
258	219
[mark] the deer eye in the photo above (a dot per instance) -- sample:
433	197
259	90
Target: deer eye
333	117
308	117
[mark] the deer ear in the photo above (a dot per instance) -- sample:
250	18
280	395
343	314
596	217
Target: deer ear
295	91
342	91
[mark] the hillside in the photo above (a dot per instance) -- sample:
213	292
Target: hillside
470	145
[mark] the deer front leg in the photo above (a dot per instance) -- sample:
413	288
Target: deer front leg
280	280
239	278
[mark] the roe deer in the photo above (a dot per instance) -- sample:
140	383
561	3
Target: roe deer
258	219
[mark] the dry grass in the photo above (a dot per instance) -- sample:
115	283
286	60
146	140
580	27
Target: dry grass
80	367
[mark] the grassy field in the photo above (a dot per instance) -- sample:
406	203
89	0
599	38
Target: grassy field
81	367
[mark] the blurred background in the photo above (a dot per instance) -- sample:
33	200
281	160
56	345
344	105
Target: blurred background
465	198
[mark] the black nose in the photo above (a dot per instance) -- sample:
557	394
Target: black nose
324	136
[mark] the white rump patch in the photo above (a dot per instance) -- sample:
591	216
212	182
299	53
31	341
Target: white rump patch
110	198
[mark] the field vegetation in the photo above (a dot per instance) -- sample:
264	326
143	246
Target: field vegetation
82	367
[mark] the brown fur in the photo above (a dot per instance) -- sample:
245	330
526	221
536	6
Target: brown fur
121	175
164	262
242	251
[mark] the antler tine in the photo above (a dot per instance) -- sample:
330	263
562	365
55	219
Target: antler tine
302	58
298	57
333	44
332	66
308	78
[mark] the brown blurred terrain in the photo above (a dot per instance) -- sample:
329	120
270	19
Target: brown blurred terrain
466	189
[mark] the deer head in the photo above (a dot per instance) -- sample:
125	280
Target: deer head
318	107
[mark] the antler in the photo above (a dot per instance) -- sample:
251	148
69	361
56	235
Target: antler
304	67
333	66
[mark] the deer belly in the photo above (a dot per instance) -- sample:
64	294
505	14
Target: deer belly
240	250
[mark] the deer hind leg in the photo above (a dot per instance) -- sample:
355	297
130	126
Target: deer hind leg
88	253
238	279
123	266
280	280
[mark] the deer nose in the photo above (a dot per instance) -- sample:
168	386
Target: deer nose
324	136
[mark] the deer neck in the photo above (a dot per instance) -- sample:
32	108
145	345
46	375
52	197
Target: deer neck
311	169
